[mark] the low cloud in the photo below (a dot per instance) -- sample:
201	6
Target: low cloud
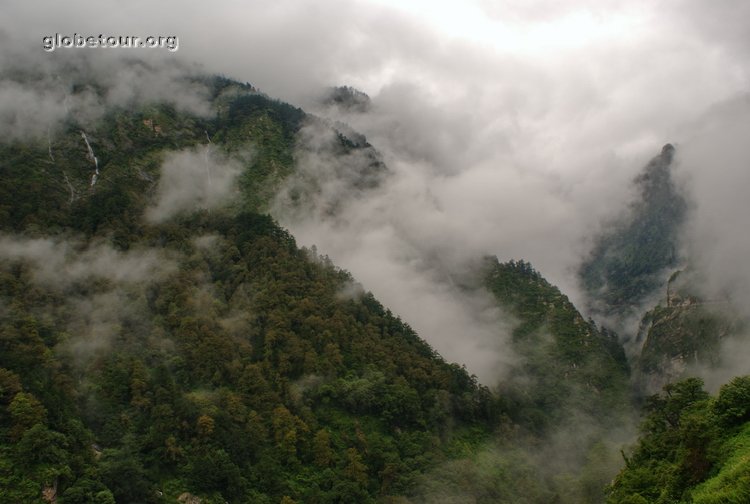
96	321
714	165
113	300
714	160
191	180
27	112
37	95
60	263
383	233
516	138
734	360
569	466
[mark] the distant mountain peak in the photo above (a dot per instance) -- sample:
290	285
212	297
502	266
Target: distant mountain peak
347	98
667	152
633	255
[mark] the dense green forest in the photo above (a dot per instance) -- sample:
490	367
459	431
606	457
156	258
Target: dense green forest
693	448
163	339
206	353
581	368
242	373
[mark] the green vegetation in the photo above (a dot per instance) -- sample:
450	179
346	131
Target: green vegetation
242	373
693	448
568	365
731	485
347	98
204	354
631	260
567	392
681	333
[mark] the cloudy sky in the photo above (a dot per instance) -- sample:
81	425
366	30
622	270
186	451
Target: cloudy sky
512	127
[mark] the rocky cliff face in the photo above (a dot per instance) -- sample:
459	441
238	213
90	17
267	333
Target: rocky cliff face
634	255
682	333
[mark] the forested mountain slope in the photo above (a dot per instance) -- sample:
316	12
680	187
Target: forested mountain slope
565	400
160	337
163	339
568	364
693	448
633	256
639	274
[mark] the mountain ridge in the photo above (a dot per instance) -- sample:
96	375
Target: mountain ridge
163	338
